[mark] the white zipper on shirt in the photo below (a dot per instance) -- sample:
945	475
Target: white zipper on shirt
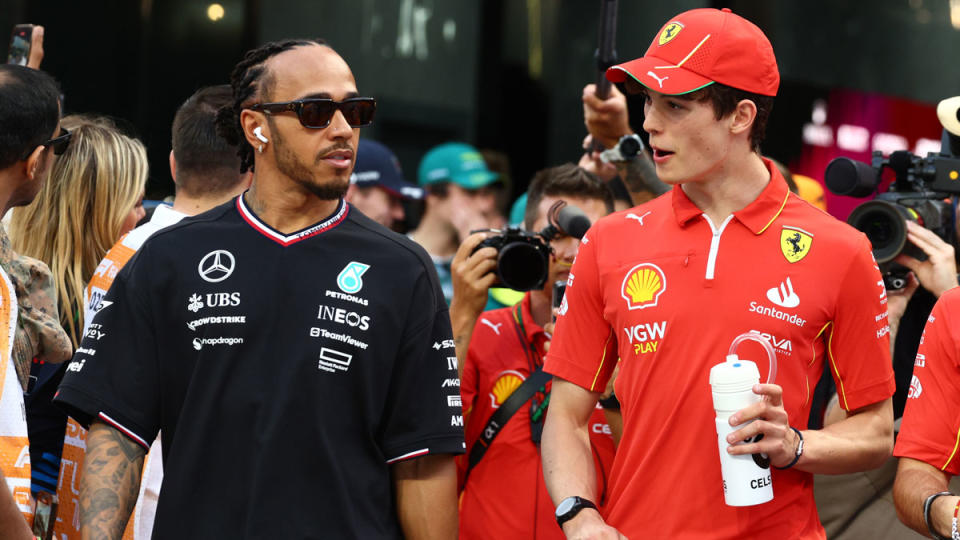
715	244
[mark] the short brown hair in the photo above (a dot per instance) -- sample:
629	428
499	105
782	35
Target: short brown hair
567	180
724	100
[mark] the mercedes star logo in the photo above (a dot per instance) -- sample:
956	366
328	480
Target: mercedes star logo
216	266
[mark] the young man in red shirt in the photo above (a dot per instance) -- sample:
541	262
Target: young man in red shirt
668	285
504	495
927	444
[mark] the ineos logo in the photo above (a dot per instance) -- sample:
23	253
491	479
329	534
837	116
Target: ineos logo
216	266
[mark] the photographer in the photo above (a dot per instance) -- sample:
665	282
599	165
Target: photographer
504	494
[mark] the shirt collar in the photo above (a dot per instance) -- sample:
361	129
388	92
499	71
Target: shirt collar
165	216
756	216
531	328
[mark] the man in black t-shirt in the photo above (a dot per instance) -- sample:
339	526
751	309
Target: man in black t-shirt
296	355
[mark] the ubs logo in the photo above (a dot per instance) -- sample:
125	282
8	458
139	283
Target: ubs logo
216	266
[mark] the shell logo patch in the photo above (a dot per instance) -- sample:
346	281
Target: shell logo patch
643	285
506	384
795	243
669	32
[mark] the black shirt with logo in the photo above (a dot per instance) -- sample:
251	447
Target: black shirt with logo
286	372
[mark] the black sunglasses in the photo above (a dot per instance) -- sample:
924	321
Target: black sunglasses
58	143
316	113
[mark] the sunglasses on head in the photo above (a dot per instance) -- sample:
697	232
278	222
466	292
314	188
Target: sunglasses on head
58	143
316	113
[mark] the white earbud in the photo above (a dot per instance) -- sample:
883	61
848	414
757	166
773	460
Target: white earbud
259	135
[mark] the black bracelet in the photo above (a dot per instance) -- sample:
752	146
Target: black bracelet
927	505
799	453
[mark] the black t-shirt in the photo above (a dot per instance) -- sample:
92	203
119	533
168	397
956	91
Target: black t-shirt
287	372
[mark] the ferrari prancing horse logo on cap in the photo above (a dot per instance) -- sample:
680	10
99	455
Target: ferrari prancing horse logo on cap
669	32
795	243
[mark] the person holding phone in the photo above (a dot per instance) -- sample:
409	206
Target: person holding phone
503	491
26	46
30	112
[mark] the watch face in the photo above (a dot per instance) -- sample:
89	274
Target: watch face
566	505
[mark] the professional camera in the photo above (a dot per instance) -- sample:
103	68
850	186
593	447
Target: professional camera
523	258
917	194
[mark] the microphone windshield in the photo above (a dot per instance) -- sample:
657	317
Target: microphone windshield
572	221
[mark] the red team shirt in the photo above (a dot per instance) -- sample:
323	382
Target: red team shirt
667	291
930	431
505	496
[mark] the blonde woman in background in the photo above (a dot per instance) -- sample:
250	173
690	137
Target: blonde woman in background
93	196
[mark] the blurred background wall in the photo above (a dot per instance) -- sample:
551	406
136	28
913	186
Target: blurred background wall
504	74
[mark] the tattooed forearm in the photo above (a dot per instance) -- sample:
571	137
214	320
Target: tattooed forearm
110	482
640	177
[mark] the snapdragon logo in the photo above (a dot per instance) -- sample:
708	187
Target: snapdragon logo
199	343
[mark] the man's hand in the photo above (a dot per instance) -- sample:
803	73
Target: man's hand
779	442
472	275
36	48
938	273
590	161
606	119
588	525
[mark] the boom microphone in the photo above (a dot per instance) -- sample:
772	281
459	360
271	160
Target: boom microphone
573	221
567	219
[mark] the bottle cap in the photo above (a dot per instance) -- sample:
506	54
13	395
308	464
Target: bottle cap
734	375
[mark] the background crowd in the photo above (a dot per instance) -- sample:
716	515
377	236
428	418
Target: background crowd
77	211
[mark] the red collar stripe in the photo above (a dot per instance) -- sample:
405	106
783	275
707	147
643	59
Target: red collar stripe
286	240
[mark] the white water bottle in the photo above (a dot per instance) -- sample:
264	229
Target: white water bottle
746	478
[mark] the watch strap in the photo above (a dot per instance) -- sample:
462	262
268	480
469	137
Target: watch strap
927	505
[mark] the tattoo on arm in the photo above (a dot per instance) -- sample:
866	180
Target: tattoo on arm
110	482
640	177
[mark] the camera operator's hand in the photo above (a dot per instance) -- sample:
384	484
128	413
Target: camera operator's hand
938	273
472	275
36	48
606	119
590	161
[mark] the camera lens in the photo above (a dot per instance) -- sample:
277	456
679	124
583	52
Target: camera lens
521	266
885	227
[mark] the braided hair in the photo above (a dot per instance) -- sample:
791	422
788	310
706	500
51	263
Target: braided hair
246	81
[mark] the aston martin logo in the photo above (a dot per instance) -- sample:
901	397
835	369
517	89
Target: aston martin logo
795	243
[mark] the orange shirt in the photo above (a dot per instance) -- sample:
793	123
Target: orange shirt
14	445
930	430
667	291
505	496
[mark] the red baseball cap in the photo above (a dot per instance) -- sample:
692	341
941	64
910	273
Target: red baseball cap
701	47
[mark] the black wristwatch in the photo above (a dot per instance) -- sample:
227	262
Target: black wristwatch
570	507
626	149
